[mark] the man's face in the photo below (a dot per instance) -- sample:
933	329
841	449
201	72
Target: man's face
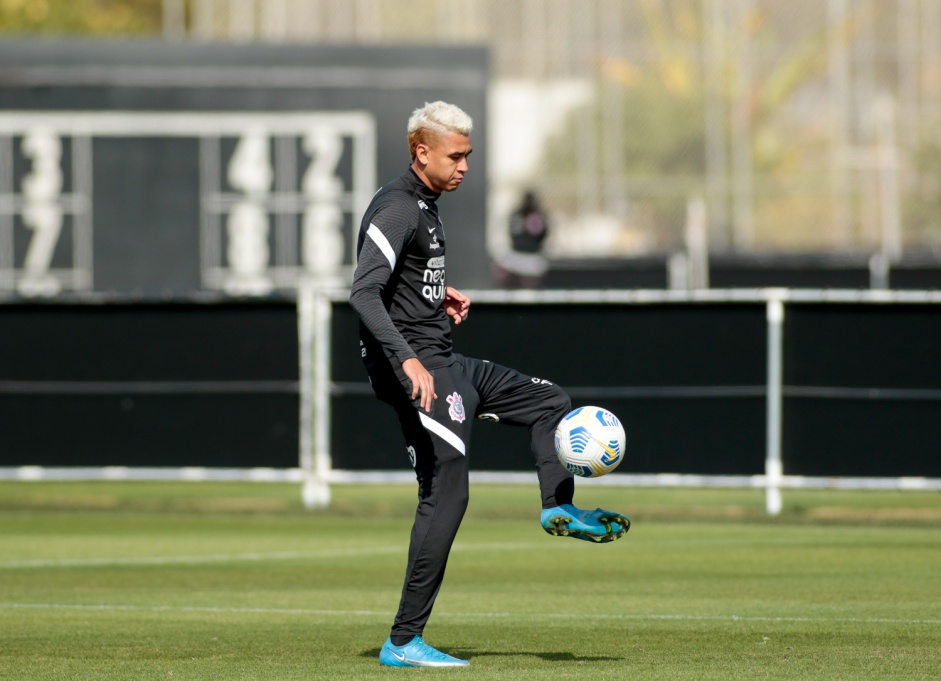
445	160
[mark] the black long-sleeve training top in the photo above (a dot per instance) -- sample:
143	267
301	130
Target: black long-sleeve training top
399	281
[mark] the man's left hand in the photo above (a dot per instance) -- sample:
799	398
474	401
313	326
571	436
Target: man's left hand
456	304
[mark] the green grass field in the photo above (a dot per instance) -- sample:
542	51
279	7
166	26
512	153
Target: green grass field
122	580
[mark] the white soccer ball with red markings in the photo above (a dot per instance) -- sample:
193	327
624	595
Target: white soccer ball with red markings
590	441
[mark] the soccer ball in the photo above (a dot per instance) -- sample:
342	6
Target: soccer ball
590	441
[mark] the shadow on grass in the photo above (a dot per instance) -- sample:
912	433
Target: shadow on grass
470	654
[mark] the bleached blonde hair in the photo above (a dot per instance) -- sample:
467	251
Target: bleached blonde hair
436	119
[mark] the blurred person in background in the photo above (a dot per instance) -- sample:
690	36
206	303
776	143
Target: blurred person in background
405	307
524	265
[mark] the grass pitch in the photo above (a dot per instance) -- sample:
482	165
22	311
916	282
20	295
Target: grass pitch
125	580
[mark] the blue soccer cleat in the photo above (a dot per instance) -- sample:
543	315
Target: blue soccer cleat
416	653
598	526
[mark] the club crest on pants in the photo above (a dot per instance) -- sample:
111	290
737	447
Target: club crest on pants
456	410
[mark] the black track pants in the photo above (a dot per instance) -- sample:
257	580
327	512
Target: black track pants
437	444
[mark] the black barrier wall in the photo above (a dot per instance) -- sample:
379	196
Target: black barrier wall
215	382
687	381
862	393
158	384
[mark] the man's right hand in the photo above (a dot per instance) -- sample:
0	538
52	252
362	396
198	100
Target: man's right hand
423	383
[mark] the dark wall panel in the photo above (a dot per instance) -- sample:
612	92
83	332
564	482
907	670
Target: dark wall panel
765	275
716	437
863	386
595	352
864	346
157	384
881	438
621	345
600	344
643	273
214	382
914	277
132	429
149	342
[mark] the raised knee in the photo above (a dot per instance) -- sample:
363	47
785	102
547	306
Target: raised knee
560	402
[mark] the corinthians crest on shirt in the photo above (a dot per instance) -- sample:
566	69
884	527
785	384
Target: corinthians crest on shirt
456	410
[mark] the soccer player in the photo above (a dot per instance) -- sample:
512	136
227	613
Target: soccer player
405	307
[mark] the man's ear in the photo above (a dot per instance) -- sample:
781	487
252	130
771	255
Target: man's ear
421	153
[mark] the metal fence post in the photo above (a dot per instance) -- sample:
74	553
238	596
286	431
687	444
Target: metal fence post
773	467
314	318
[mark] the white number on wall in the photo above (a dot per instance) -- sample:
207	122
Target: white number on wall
325	148
323	239
42	188
248	240
44	181
45	219
250	172
322	228
250	168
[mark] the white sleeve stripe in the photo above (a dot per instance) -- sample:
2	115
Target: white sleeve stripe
442	432
380	240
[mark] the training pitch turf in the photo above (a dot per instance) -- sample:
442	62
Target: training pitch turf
123	580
